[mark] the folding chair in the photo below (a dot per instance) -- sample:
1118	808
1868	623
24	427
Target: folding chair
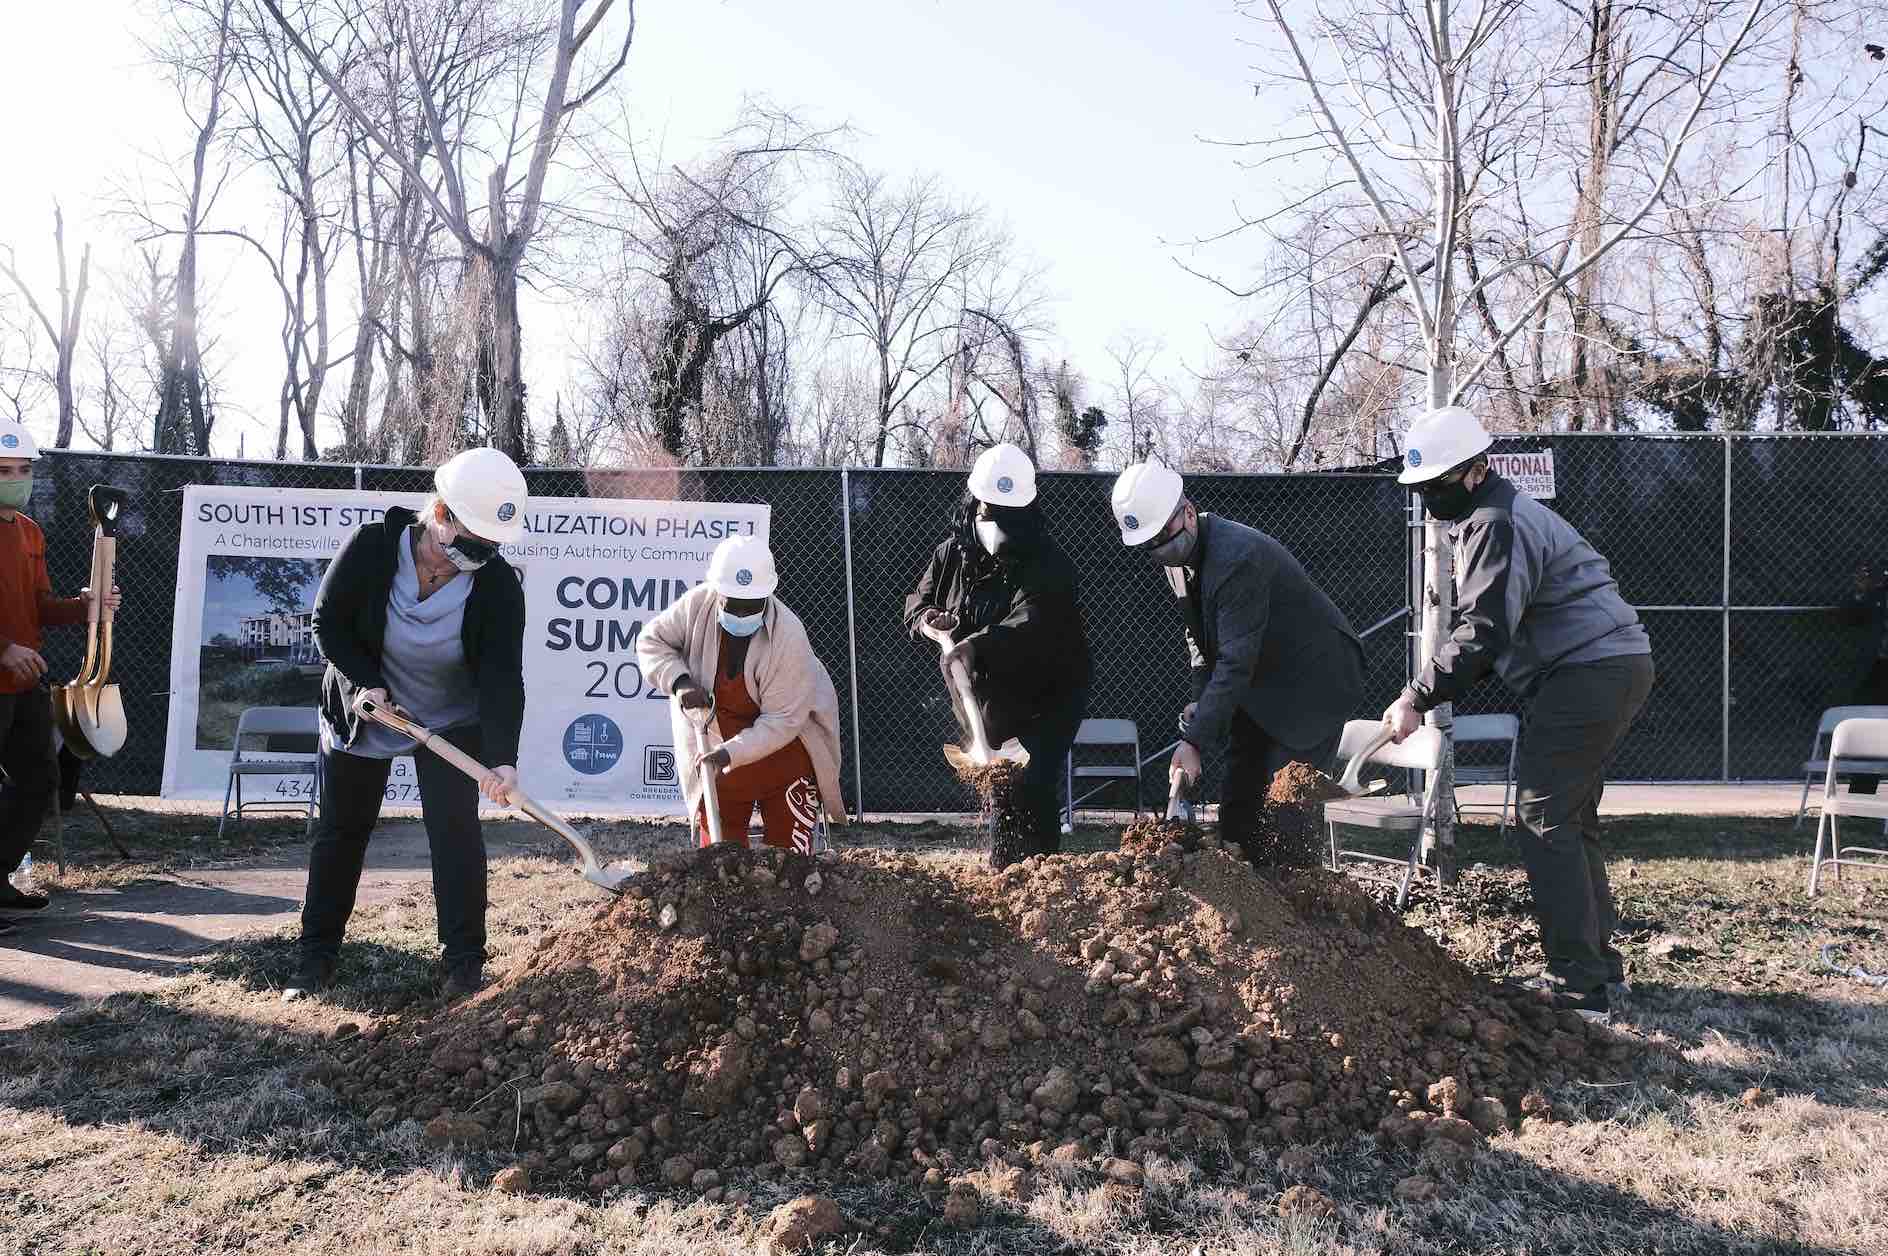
1491	729
1853	739
1117	734
1817	765
272	721
1421	751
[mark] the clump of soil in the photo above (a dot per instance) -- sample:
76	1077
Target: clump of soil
743	1015
999	788
1149	836
1290	831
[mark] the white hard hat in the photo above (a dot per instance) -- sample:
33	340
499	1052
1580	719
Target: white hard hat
1439	440
1003	476
486	491
743	566
1145	497
16	441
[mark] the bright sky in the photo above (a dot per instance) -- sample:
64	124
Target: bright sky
1080	123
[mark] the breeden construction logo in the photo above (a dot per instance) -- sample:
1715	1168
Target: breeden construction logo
658	766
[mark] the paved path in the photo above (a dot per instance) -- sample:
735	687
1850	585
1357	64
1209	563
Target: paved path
91	943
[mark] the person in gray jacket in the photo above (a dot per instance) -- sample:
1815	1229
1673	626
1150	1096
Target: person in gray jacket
1276	667
1539	606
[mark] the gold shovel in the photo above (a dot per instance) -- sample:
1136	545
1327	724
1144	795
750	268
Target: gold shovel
591	869
90	712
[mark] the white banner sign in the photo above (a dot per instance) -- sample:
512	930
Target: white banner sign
1532	473
595	731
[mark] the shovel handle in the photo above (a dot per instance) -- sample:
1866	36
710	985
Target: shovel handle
1177	804
381	713
1352	782
698	719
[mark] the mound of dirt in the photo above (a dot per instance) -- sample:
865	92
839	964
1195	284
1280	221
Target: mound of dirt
760	1014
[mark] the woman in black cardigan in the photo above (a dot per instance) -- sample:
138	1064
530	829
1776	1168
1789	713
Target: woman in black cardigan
422	612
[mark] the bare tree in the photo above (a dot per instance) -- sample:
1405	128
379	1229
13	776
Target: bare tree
109	402
1140	398
285	117
64	333
899	254
200	65
1410	106
720	244
496	246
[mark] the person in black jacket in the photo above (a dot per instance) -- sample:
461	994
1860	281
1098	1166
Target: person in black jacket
1276	666
1006	592
420	612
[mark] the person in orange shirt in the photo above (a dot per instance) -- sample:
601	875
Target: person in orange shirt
26	606
731	644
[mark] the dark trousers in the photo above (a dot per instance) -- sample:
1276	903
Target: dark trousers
1874	692
1048	741
1578	717
351	791
32	772
1253	758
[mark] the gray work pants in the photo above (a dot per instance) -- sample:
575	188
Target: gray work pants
1578	717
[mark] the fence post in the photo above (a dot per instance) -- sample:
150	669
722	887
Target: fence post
852	643
357	477
1725	734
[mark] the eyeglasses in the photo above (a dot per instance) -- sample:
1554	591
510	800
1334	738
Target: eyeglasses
1175	526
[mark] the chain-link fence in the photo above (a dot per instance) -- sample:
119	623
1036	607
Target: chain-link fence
1739	551
1749	650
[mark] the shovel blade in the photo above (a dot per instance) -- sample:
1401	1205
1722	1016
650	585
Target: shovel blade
968	761
100	716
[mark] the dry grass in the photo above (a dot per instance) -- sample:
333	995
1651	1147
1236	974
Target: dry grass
180	1122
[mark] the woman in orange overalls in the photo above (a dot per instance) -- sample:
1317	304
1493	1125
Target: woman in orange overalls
776	710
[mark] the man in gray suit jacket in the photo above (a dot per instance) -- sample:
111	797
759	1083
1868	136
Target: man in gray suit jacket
1276	667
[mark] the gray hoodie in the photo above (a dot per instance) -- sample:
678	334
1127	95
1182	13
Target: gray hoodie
1531	595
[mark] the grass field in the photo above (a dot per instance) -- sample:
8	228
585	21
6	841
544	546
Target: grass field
180	1122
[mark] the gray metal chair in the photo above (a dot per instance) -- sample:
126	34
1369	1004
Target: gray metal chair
1852	739
1492	729
1106	733
1816	767
272	721
1421	751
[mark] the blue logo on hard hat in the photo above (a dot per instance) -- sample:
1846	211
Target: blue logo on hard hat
506	511
744	577
10	441
1004	484
1415	458
1131	521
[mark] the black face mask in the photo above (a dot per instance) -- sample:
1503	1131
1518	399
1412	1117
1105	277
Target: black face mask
1447	499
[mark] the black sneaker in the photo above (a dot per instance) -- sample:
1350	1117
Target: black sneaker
14	899
1591	1005
464	979
312	975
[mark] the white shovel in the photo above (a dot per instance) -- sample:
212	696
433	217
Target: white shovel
698	719
937	625
590	867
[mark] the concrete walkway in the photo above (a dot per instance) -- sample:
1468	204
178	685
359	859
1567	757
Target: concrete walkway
91	943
